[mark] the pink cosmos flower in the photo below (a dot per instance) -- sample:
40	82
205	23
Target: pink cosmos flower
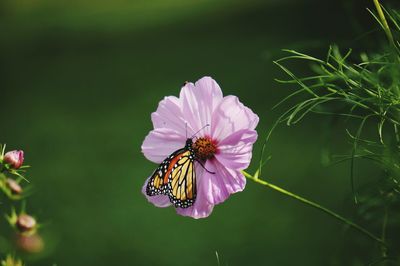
227	142
14	159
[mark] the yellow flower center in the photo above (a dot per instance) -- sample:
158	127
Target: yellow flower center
204	148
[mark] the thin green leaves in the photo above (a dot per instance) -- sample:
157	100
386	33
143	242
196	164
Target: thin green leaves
357	91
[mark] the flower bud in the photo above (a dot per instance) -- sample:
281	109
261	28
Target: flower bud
14	187
26	223
14	159
30	243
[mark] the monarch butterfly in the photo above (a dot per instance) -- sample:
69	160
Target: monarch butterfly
176	177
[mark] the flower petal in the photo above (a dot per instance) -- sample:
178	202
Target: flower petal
160	143
231	116
201	207
223	183
169	115
161	201
198	103
235	151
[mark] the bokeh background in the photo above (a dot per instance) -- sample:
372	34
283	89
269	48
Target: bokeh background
79	80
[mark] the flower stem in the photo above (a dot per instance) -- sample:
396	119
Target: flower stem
384	22
383	236
315	205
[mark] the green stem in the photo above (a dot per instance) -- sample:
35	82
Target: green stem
391	40
383	236
396	131
384	22
315	205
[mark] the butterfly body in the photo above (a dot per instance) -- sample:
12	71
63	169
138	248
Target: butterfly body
176	177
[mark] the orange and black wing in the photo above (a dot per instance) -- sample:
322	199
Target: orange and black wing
156	185
182	180
158	182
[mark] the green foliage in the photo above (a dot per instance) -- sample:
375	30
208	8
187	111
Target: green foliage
366	93
11	261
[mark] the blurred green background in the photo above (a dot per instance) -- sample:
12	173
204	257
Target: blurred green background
79	80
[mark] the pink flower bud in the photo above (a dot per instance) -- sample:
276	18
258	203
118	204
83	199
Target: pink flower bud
26	223
30	243
14	187
14	159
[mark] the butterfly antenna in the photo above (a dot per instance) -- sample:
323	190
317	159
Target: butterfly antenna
200	130
186	129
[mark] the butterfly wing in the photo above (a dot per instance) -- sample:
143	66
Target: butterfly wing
158	182
175	177
182	180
